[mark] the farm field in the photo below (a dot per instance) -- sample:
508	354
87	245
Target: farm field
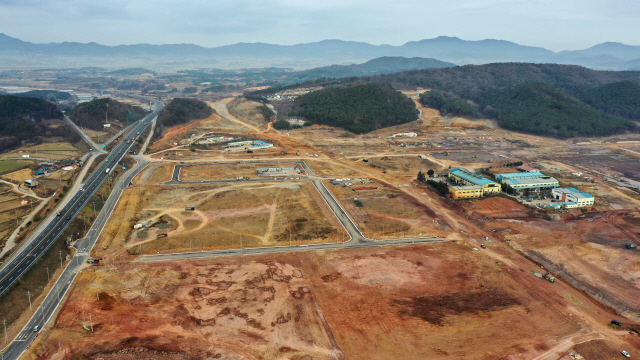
50	151
258	214
12	210
7	166
353	304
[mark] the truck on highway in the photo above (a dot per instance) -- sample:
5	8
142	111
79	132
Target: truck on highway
59	212
107	171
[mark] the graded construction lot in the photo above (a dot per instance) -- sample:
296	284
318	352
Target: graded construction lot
258	214
588	251
388	213
414	302
328	169
228	171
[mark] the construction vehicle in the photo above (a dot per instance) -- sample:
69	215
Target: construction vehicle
283	152
59	213
632	246
357	202
548	277
190	208
94	261
161	236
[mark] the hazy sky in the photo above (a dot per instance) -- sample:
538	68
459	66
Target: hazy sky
553	24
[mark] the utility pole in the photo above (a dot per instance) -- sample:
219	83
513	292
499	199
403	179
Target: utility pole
85	224
240	244
289	237
48	277
4	321
60	252
190	245
94	209
29	295
91	322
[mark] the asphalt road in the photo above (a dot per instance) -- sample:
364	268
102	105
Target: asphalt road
21	262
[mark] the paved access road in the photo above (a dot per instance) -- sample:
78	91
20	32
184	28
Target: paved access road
50	233
24	257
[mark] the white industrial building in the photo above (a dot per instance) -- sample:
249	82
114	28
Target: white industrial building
572	198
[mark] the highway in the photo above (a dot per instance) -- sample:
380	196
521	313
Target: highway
22	260
21	263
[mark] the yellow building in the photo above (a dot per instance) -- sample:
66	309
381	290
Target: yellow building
471	185
465	192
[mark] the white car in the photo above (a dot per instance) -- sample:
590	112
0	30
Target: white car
36	328
626	354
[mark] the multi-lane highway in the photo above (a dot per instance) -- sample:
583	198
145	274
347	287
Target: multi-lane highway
22	260
20	263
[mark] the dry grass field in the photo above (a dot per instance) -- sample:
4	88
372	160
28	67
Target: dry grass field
262	214
227	171
51	151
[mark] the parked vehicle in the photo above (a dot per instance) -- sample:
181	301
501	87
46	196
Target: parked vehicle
616	322
626	354
632	246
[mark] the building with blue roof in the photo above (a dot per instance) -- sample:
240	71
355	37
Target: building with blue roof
469	184
519	175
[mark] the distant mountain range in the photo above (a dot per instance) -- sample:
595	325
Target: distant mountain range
15	53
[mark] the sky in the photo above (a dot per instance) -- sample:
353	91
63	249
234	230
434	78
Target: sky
552	24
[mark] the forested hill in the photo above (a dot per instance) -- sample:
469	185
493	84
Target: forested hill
22	119
382	65
182	110
470	81
359	108
93	114
49	95
540	109
483	91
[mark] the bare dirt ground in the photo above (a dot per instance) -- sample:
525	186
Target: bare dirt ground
328	169
247	111
388	213
419	302
261	214
227	171
587	251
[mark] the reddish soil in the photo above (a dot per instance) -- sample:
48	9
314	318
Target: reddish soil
441	301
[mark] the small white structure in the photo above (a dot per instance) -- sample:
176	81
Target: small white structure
409	134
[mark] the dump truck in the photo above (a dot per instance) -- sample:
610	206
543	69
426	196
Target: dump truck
161	236
548	277
357	202
59	213
190	208
632	246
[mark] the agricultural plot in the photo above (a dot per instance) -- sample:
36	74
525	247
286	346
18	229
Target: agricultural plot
12	210
50	151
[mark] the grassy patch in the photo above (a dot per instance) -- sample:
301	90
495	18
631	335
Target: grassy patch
12	165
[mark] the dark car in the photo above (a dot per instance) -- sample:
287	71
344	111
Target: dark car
69	218
483	246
